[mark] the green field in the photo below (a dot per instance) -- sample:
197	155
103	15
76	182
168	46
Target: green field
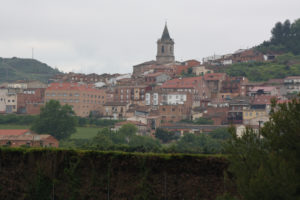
81	132
85	133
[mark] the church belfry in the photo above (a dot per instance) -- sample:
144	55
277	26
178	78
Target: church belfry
165	48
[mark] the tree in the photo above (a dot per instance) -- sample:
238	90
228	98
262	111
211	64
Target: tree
191	143
202	120
220	133
165	135
266	163
56	120
102	141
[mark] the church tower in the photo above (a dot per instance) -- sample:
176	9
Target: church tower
165	48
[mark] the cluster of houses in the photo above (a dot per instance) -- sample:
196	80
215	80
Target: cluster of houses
159	93
26	138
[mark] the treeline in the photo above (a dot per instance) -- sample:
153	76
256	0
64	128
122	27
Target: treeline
126	139
15	119
91	121
285	38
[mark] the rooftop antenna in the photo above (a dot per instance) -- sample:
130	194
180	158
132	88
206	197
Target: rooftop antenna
32	52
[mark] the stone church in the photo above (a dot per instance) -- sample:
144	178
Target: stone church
165	54
165	48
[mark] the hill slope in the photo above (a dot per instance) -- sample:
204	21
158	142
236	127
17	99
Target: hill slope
12	69
283	66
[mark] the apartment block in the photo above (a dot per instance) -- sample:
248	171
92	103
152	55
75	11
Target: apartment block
82	98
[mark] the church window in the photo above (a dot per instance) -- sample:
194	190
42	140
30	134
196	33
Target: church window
162	49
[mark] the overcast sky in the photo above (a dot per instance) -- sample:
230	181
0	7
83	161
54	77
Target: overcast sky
110	36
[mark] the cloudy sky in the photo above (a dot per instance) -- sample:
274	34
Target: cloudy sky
109	36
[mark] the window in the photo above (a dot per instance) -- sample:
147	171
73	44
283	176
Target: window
162	49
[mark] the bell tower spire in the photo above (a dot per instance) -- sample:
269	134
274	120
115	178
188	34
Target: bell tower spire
165	48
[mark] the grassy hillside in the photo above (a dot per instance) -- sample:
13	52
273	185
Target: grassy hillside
284	65
12	69
63	174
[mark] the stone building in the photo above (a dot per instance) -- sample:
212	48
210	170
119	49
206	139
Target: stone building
165	48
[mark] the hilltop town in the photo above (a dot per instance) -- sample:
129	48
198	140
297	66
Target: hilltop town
183	97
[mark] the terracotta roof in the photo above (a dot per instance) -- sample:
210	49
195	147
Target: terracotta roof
72	86
11	132
265	88
16	137
137	123
35	137
292	77
262	100
190	82
214	76
154	74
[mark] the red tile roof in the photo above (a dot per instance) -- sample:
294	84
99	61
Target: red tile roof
265	88
214	76
137	123
154	74
292	77
263	99
190	82
13	132
71	86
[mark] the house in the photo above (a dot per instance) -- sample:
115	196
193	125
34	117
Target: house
115	110
181	129
142	127
292	84
29	101
155	78
201	70
25	137
240	129
174	113
236	108
213	82
130	93
263	90
232	87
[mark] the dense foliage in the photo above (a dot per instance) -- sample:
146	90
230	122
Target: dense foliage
40	174
91	121
17	119
199	121
285	38
12	69
266	163
283	66
56	120
125	139
165	136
